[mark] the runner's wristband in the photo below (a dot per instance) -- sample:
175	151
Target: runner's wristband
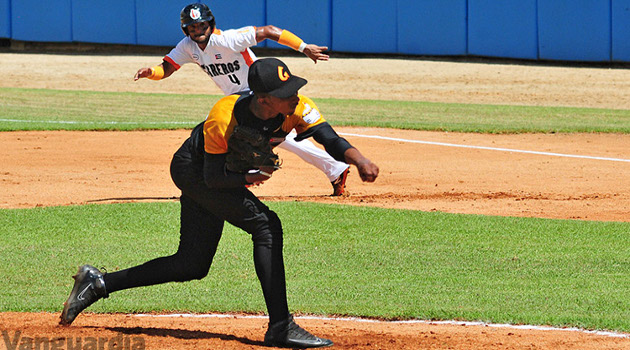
291	40
157	73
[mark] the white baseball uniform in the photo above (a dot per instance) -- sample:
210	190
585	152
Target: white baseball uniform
226	60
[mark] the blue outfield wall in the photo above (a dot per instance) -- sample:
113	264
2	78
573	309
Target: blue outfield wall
574	33
47	21
165	29
162	30
5	19
505	28
367	26
432	27
310	20
104	21
233	14
621	30
573	30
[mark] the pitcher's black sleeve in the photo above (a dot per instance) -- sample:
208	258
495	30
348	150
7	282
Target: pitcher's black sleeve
324	134
216	176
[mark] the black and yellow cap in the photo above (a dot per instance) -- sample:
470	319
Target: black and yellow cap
272	76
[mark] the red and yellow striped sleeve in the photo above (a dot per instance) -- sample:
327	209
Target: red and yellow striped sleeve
173	63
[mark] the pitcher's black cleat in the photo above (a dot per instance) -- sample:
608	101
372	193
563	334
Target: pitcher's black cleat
89	287
289	335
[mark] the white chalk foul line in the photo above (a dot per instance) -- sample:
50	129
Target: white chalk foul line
351	319
91	122
486	148
341	133
356	319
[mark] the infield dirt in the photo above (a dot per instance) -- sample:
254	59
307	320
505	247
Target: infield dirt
62	168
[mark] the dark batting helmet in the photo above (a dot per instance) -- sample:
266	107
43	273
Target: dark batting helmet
195	13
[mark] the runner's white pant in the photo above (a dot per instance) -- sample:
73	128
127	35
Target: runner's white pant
315	156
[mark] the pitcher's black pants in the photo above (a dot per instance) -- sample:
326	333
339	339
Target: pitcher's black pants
203	213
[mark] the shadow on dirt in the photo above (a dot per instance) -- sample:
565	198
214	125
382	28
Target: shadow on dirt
179	334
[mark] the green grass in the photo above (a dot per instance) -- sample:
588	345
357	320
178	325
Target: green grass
43	109
476	118
354	261
344	261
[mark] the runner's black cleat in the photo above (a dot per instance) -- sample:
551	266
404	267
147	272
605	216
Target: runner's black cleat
89	287
339	185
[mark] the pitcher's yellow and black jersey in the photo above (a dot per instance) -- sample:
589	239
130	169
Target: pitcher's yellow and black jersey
207	146
234	110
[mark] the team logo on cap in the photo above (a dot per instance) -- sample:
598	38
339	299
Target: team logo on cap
284	76
195	14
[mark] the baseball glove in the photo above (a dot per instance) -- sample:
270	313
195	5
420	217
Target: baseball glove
249	149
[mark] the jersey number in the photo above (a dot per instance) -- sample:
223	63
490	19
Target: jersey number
234	79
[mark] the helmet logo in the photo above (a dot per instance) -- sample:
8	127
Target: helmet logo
195	13
284	76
